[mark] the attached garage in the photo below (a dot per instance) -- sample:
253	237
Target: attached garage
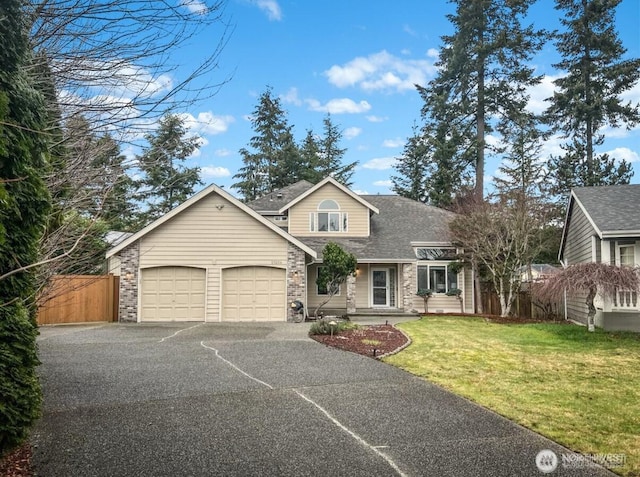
254	294
173	294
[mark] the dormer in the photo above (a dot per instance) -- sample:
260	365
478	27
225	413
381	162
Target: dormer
329	209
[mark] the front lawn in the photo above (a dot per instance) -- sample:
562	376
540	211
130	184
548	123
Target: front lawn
578	388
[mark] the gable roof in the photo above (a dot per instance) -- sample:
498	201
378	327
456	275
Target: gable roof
612	210
195	199
400	225
322	183
274	201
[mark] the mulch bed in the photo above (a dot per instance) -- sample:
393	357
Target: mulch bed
372	341
17	463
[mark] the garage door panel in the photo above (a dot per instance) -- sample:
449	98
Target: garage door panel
173	294
254	294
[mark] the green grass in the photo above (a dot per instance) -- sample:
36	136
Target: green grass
578	388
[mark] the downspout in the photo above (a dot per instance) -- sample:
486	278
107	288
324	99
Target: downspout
566	315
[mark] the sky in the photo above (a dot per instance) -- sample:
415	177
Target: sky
357	60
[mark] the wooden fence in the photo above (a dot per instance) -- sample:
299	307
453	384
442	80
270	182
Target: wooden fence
523	306
80	299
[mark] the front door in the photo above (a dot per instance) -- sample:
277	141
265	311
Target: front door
380	286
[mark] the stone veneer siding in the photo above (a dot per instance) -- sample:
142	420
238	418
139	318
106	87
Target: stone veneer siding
129	266
408	286
351	294
296	279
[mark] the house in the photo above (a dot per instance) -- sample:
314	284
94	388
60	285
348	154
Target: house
214	258
603	225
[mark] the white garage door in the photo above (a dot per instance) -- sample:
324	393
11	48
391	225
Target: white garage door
173	294
254	294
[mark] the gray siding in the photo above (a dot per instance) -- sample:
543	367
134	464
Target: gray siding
578	249
621	321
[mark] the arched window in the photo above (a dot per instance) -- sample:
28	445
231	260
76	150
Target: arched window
328	218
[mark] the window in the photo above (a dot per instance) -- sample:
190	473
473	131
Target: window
326	219
627	256
426	253
324	291
437	278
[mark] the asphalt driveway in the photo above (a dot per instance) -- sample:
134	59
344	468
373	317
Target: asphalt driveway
257	399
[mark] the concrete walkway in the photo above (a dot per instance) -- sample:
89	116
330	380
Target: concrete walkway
256	399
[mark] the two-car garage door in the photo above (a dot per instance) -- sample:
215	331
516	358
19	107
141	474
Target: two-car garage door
178	294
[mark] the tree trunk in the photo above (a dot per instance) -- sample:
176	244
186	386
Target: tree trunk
591	324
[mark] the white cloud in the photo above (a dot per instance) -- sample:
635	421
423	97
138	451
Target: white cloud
539	93
207	123
339	106
222	152
214	171
392	143
270	7
381	72
380	163
624	153
376	119
433	53
409	30
632	95
291	97
352	132
386	183
360	191
195	6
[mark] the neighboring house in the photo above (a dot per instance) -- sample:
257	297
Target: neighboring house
536	272
603	225
214	258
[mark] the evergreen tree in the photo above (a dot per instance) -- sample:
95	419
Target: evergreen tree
482	70
167	182
588	96
331	154
310	159
24	204
410	181
275	159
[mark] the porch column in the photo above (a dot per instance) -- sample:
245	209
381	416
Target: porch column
408	286
351	293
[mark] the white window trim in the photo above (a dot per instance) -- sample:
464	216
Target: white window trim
619	257
432	263
343	217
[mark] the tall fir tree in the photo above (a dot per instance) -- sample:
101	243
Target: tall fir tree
310	159
167	182
332	154
588	96
483	69
275	157
24	204
410	166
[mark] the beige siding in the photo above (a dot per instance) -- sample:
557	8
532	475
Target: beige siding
358	214
362	286
113	265
441	303
337	301
578	249
468	290
212	234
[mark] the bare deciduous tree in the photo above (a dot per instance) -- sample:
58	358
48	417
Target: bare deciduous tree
499	237
592	278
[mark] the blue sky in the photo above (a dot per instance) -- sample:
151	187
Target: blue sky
358	60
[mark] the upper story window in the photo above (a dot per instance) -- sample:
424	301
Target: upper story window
433	253
627	255
328	218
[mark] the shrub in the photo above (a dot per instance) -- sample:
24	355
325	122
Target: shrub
323	327
20	395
